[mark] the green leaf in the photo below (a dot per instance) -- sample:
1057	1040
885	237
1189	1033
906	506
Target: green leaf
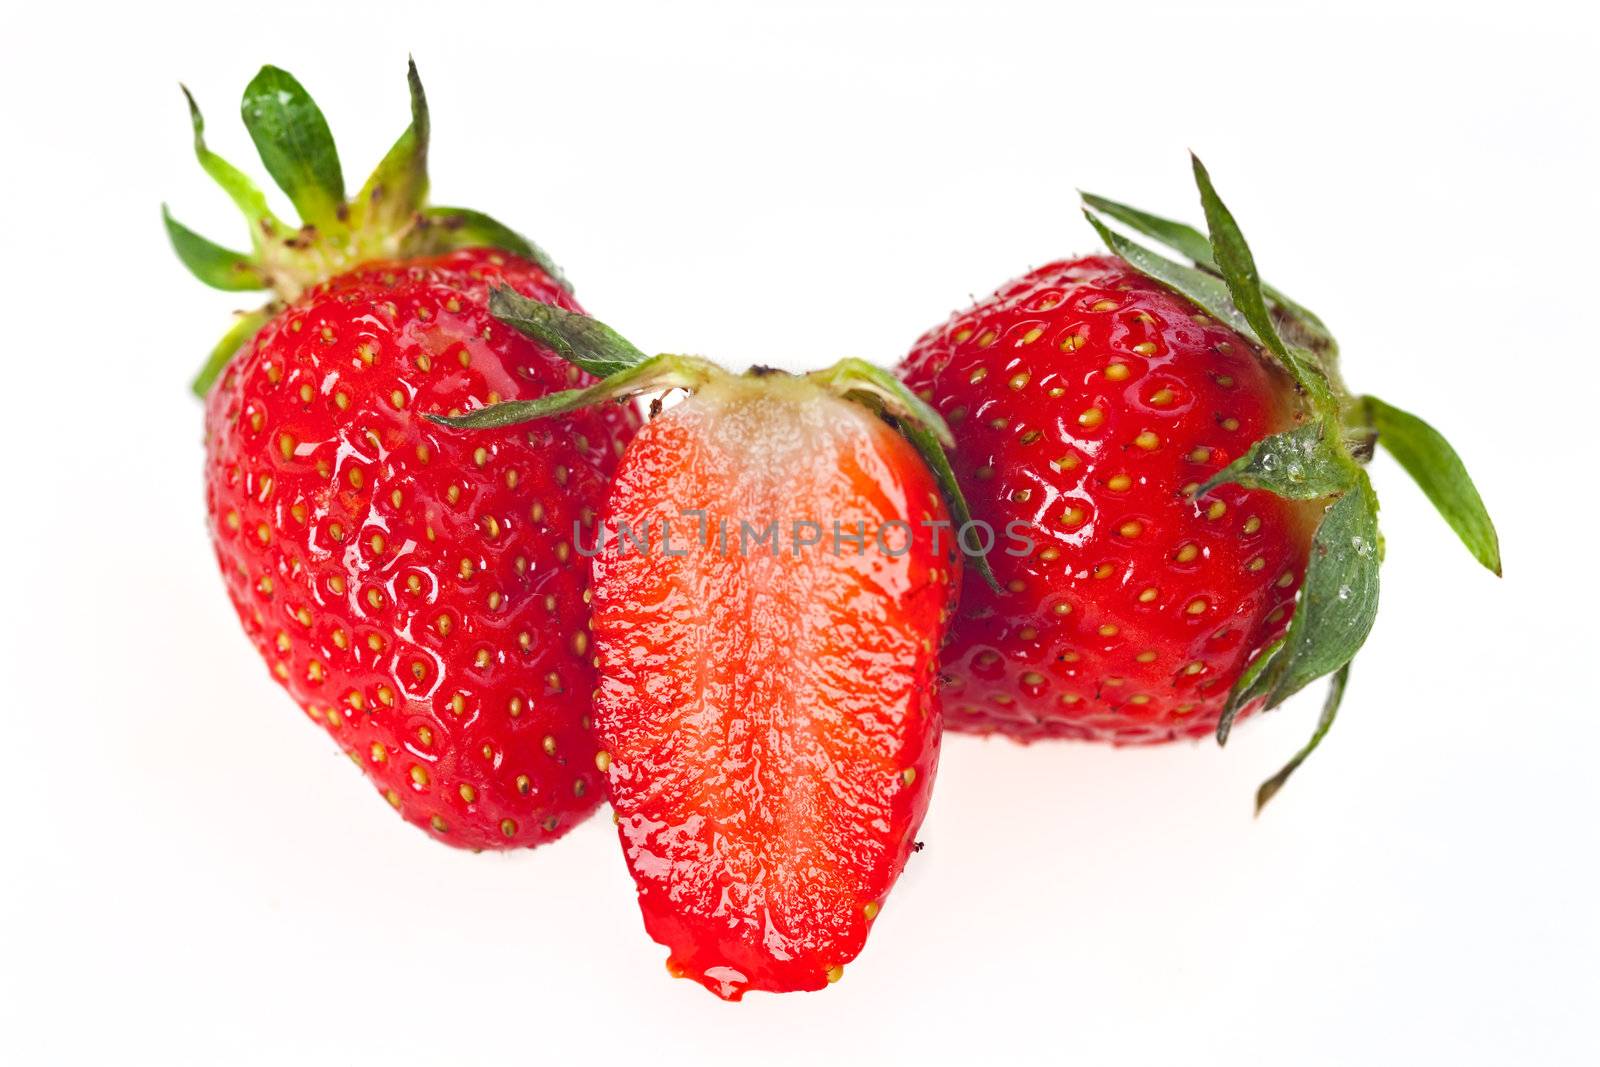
1438	470
240	334
218	267
652	375
921	425
399	185
1180	237
1300	464
933	454
1330	709
1202	289
295	145
459	227
1254	682
578	339
856	376
240	189
1190	242
1339	599
1238	269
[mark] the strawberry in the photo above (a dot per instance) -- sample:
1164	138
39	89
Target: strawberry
770	594
1183	467
414	589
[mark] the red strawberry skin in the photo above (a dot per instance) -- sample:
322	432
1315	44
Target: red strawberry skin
415	588
1087	401
769	723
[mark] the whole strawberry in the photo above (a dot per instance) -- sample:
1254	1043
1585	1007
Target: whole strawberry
770	596
415	589
1192	536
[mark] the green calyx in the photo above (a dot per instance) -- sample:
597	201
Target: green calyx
626	372
388	218
1322	458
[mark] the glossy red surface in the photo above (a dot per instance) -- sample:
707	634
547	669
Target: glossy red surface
1086	399
769	721
414	588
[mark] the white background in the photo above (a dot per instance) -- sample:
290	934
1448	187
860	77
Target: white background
192	874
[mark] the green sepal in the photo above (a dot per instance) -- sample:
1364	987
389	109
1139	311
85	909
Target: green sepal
398	186
295	145
580	340
236	337
1339	598
922	426
1300	464
1330	709
1238	267
459	227
654	374
856	378
240	189
1254	682
1203	290
1191	243
1436	468
218	267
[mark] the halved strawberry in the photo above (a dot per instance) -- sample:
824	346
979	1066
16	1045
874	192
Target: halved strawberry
769	600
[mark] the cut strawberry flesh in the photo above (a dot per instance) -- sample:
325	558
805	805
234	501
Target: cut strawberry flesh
767	710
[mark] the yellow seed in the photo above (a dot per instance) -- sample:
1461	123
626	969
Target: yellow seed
1161	397
1216	509
1103	305
286	446
1193	667
1287	580
1145	348
1032	678
870	910
1091	418
908	775
602	761
1107	630
1064	463
1138	698
480	455
1061	608
1147	656
1197	606
1230	424
1131	528
1256	564
438	823
1148	594
508	827
523	784
1147	441
419	777
549	745
986	338
468	793
835	973
1118	482
1018	381
1117	372
1188	553
1073	516
1252	524
1031	336
392	797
